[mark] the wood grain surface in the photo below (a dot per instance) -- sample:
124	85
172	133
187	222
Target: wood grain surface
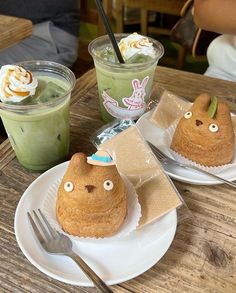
13	30
202	257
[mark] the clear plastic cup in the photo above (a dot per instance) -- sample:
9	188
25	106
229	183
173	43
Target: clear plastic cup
39	133
124	89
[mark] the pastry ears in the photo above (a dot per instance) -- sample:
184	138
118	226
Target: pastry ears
202	102
79	164
223	112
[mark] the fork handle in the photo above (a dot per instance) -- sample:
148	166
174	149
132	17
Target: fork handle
209	174
97	281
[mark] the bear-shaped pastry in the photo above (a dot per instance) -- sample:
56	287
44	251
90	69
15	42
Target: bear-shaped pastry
92	197
205	135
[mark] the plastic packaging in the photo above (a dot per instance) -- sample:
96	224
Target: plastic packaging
157	194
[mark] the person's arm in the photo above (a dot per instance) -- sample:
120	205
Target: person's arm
216	15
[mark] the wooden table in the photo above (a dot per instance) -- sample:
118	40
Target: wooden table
202	257
13	30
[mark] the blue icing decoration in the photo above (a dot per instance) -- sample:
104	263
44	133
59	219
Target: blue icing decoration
101	159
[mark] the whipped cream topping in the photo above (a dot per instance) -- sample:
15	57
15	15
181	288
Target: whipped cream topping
16	83
136	44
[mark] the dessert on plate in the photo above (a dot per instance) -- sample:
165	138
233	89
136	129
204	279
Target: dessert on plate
92	197
205	133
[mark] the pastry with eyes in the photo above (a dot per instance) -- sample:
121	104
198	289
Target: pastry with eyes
205	134
92	197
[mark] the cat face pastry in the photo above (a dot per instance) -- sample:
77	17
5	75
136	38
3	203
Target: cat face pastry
92	199
203	136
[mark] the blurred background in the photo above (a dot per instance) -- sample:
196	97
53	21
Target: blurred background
154	18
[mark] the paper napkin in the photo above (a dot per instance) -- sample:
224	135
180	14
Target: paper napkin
156	192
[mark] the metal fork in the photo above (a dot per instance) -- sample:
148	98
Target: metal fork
165	160
57	243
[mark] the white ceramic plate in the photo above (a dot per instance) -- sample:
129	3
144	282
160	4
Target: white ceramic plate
155	135
114	261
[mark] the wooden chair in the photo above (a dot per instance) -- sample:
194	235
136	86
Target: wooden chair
170	7
90	15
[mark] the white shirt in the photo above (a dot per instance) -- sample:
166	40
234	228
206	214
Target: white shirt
221	55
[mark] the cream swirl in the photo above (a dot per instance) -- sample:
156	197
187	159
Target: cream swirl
136	44
16	83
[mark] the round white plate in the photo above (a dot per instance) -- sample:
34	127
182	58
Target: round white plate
114	261
155	135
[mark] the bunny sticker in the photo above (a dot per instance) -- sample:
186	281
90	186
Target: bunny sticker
135	104
136	101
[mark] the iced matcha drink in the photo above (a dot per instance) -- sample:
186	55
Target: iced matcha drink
35	99
125	88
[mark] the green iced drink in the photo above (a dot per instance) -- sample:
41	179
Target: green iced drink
38	126
124	89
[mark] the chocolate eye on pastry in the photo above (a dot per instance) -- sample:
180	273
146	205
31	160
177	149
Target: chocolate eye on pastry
188	115
213	127
108	185
68	186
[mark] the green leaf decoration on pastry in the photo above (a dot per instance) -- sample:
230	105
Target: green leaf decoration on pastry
213	107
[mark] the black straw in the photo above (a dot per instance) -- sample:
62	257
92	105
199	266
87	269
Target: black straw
109	30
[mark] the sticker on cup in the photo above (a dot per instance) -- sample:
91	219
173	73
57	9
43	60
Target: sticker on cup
135	104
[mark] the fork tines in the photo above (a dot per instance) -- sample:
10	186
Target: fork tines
158	153
43	230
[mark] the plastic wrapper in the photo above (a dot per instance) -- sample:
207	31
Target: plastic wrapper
110	130
157	194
